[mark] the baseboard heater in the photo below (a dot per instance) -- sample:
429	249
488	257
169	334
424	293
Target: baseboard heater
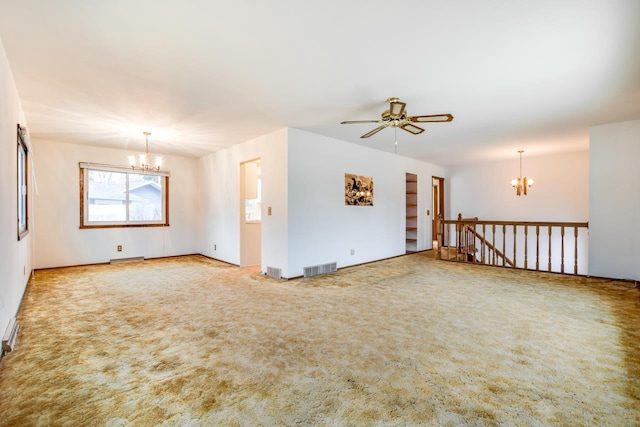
123	260
316	270
10	336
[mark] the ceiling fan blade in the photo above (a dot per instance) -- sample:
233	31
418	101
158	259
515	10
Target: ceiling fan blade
432	118
350	122
373	132
411	128
396	109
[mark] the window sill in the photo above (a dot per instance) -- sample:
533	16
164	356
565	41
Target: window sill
122	226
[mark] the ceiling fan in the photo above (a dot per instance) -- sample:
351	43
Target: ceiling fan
396	116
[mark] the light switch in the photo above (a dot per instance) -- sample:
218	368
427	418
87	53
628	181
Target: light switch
428	212
269	210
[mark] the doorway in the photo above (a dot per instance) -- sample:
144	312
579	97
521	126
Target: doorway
438	207
250	213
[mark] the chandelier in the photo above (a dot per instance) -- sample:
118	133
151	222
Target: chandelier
521	184
144	160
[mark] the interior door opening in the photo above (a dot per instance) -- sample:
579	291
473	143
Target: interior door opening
250	213
438	207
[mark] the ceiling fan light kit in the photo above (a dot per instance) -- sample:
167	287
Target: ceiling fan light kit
396	116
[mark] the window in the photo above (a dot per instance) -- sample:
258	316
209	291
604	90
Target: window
252	192
112	196
23	173
253	207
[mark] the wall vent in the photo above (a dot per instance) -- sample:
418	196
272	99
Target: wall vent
10	336
122	260
315	270
274	272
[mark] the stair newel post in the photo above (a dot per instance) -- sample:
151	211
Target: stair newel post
466	242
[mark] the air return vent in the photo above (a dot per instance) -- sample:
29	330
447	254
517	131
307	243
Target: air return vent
315	270
274	272
10	336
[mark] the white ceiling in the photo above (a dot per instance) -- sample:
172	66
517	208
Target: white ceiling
202	75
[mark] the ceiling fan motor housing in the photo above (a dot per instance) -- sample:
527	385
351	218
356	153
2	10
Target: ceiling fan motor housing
386	117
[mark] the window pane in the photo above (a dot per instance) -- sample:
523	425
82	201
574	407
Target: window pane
253	207
107	196
145	197
116	196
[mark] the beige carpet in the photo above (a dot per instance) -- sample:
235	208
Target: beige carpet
408	341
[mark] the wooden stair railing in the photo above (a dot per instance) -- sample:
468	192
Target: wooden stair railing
466	247
466	243
478	241
490	247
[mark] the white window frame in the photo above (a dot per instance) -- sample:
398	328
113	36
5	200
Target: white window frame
84	197
22	164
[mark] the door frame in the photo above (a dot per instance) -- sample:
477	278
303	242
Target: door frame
437	203
246	238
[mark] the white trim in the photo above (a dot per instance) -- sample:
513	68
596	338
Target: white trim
114	168
86	223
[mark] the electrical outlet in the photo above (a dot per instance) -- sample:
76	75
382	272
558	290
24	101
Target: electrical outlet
119	248
353	251
214	247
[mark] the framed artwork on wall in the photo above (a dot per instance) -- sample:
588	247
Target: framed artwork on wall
358	190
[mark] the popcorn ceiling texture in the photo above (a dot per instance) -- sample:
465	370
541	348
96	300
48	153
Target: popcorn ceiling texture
406	341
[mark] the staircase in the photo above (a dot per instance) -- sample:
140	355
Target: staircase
507	243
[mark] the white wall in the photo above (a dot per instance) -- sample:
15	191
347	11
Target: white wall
322	229
220	192
15	257
303	183
560	194
58	240
615	200
560	191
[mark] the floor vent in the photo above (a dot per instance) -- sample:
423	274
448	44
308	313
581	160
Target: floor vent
315	270
274	272
10	336
122	260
